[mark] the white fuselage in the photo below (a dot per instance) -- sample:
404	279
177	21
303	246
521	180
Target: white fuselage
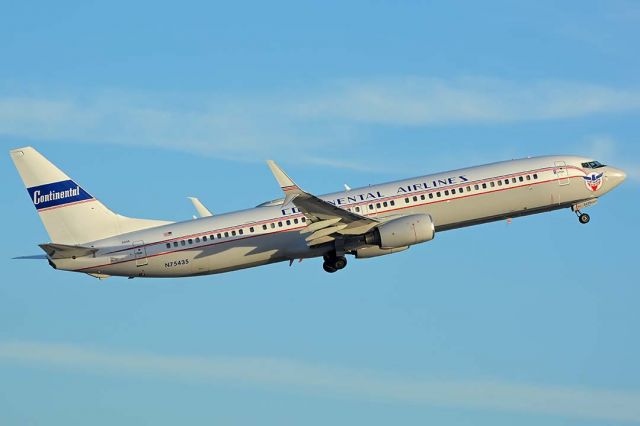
274	232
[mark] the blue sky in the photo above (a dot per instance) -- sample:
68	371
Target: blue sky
144	104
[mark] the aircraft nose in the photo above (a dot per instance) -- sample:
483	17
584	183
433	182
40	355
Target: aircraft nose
616	175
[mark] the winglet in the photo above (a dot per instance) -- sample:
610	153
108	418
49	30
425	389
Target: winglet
200	208
285	182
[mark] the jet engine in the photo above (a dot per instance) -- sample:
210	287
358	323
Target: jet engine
402	232
374	251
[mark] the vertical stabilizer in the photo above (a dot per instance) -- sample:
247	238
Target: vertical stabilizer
69	213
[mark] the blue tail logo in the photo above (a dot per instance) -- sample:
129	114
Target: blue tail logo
57	194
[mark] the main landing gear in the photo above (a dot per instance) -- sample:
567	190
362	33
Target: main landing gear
334	263
583	218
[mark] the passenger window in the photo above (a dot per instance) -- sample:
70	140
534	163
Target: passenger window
264	227
476	187
190	241
385	204
535	176
438	194
446	192
288	222
422	197
357	210
468	189
168	245
499	183
370	206
406	200
393	203
175	244
493	184
453	191
251	229
233	233
484	186
378	205
528	177
513	180
521	179
506	181
415	198
226	234
431	195
295	220
240	231
197	239
204	238
279	224
304	219
219	236
183	243
273	225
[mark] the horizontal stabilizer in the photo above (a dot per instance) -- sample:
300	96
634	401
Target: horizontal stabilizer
63	251
33	257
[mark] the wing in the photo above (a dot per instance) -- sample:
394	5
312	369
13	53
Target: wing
327	220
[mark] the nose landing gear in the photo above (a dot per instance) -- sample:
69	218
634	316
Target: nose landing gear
583	218
334	263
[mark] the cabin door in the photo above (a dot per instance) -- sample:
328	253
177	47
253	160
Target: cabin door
140	253
561	173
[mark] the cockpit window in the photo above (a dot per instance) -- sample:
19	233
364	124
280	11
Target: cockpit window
592	165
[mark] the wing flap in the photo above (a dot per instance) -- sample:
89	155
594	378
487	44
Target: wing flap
321	214
320	225
324	232
320	240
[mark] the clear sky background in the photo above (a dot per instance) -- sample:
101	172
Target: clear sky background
146	103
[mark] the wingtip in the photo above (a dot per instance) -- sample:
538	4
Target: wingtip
286	183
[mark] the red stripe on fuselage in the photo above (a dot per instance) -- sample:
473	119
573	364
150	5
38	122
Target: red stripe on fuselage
427	202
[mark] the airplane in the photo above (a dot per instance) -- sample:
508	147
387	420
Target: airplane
365	222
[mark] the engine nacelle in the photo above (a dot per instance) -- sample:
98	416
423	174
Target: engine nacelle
402	232
374	251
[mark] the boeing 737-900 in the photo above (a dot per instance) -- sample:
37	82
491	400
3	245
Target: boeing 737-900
364	222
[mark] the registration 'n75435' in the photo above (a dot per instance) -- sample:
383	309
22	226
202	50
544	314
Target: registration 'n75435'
175	263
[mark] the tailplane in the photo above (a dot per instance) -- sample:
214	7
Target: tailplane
69	213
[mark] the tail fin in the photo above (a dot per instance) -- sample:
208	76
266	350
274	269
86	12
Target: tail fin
69	213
